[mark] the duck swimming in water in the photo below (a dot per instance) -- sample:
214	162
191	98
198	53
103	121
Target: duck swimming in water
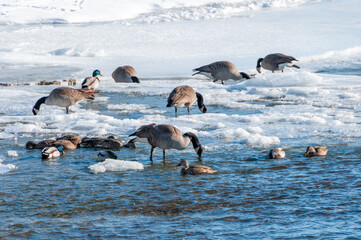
52	152
194	169
276	153
316	151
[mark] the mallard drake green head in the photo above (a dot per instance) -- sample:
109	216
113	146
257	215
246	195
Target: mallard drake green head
96	73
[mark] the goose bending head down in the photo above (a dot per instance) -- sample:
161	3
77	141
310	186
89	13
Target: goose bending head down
167	137
185	97
125	74
62	97
91	83
222	70
276	62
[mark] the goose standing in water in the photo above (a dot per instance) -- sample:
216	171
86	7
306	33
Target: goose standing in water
316	151
194	169
222	70
62	97
275	62
185	97
167	137
91	83
125	74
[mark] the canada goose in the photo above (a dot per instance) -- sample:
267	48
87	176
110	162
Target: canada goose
167	137
125	74
184	97
104	143
222	70
316	151
52	152
62	97
194	169
91	83
276	153
275	62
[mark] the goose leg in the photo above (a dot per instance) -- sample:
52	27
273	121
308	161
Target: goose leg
164	155
188	108
222	82
151	153
67	110
215	80
175	110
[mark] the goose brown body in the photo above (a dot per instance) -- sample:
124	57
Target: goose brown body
167	137
316	151
125	74
185	97
194	169
276	62
62	97
222	70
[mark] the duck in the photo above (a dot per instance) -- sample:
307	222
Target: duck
62	97
221	70
69	142
125	74
316	151
276	153
76	140
166	137
276	62
102	155
185	97
91	83
194	169
52	152
104	143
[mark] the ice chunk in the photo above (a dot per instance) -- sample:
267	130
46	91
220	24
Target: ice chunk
113	165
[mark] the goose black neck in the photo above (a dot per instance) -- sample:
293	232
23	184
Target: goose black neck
194	139
36	107
135	79
259	62
200	102
245	75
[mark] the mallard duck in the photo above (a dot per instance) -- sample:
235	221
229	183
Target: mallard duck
222	70
105	143
276	153
76	140
185	97
69	142
52	152
62	97
91	83
125	74
275	62
167	137
316	151
102	155
194	169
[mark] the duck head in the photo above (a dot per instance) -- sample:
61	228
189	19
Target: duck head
96	73
183	163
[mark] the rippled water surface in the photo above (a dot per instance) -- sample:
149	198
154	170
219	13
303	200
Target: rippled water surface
249	196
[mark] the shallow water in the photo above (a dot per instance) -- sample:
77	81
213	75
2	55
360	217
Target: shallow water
248	197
